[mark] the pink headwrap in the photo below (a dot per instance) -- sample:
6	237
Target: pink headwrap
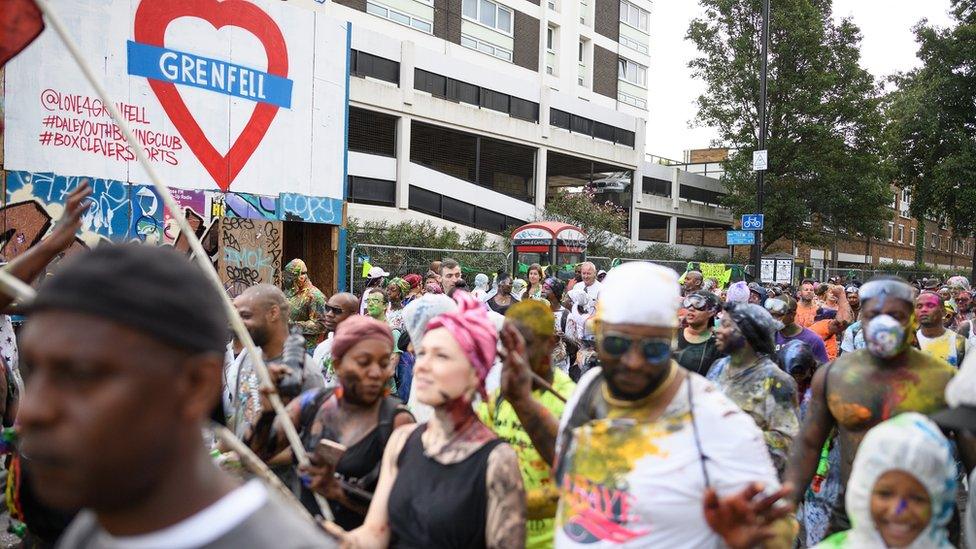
358	328
474	332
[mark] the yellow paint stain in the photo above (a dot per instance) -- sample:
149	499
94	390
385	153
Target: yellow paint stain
606	450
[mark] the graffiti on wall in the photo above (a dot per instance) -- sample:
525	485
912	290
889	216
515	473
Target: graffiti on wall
250	253
310	209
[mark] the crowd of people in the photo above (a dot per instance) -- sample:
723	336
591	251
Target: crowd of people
631	408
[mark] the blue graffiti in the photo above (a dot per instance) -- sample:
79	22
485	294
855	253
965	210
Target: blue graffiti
311	209
250	206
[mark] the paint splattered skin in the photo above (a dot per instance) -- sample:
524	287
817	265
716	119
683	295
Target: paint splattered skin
308	313
862	391
768	395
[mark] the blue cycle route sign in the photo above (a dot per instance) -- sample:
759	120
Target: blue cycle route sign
740	238
752	222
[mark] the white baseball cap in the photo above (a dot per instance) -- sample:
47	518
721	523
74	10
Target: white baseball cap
377	272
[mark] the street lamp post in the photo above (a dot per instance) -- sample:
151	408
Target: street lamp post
761	174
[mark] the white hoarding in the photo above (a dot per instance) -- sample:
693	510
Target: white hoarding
232	95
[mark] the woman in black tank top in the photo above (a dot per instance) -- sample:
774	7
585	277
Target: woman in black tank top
357	414
450	483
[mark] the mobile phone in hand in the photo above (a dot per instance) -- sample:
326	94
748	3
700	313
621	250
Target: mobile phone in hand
329	452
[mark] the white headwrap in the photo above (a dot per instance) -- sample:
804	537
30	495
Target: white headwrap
912	443
640	293
738	293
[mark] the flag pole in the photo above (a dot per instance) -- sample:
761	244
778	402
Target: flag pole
201	257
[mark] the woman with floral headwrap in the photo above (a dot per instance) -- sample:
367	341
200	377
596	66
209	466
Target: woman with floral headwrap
416	287
396	290
449	483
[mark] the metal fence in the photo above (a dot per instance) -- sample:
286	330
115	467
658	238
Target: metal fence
848	274
402	260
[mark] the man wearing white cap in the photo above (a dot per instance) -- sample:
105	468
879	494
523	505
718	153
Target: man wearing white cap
630	460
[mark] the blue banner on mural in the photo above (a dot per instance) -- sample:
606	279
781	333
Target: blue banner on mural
184	68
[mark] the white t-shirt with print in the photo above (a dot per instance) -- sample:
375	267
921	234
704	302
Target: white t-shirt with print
631	484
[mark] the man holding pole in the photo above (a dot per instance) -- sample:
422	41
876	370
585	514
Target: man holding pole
120	387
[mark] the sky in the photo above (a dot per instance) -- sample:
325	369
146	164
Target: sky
888	46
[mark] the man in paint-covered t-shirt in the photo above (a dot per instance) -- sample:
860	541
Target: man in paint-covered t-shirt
933	338
630	457
534	321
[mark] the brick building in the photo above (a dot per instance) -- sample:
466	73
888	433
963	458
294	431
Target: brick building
941	249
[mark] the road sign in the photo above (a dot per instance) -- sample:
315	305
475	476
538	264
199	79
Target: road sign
752	222
760	160
740	238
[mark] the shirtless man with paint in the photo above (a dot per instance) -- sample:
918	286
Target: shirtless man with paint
861	389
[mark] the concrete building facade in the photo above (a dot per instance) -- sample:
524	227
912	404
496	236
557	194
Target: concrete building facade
472	113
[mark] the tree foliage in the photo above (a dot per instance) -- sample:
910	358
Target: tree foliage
931	133
602	222
824	123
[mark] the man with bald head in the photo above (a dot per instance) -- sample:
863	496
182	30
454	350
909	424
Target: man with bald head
340	307
590	284
693	282
264	310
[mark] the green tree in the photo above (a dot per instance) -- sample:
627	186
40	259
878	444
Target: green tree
823	119
602	222
930	137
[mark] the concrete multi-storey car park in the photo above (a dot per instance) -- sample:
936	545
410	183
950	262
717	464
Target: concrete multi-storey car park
473	112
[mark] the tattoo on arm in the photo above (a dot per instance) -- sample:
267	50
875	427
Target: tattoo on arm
505	523
541	426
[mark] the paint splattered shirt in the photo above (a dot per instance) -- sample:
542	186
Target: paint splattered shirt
768	395
626	481
950	346
540	490
308	313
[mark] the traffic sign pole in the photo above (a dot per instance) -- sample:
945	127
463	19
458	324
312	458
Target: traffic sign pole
760	174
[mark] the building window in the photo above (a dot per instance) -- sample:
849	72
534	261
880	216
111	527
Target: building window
631	72
429	82
504	167
901	234
631	100
633	44
364	190
399	17
488	14
372	132
365	64
486	47
550	38
891	232
463	92
657	187
582	47
633	16
653	228
912	233
935	241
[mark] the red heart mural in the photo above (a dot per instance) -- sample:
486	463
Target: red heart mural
152	18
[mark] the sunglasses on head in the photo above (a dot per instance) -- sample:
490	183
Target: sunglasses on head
697	302
654	349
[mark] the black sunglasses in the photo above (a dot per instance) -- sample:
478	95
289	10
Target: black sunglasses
654	349
334	310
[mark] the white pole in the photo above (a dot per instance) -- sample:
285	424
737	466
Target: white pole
284	422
